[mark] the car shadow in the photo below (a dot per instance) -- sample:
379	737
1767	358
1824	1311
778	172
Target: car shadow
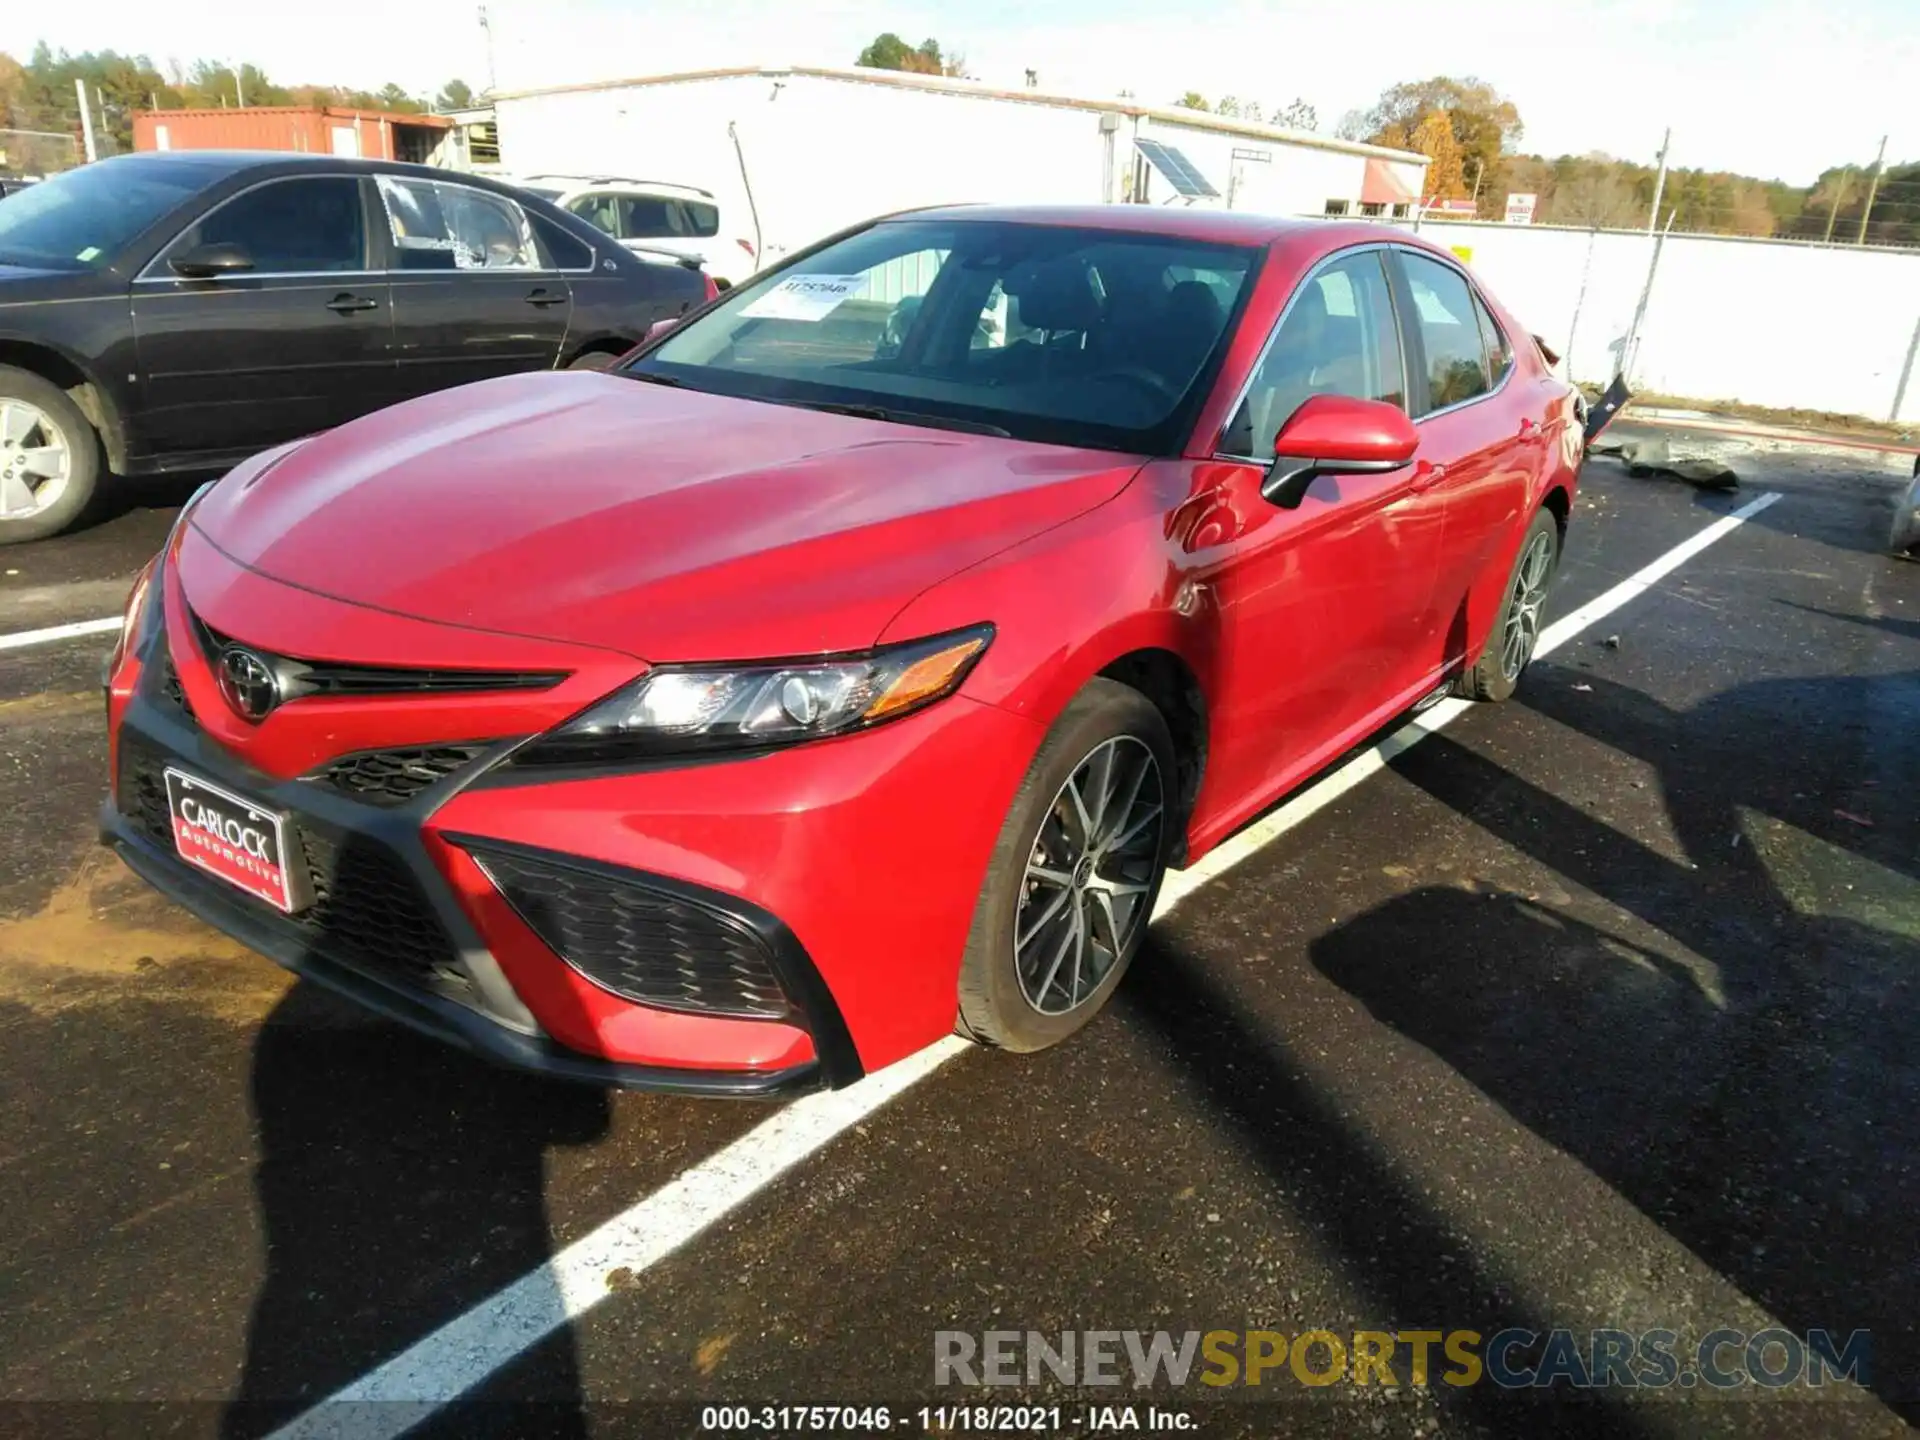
1391	1244
400	1182
122	496
1891	624
1738	1062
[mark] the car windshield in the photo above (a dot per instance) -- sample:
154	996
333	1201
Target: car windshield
79	220
1063	334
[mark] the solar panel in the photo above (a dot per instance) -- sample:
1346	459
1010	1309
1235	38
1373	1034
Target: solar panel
1179	170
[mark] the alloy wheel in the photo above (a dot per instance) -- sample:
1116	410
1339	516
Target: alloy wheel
1529	599
35	461
1089	876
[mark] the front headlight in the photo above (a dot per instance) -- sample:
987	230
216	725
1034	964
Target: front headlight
686	709
134	616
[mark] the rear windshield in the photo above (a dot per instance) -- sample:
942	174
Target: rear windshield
81	219
1072	336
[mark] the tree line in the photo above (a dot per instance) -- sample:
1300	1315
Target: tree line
1471	134
39	96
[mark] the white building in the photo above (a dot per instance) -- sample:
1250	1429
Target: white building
820	149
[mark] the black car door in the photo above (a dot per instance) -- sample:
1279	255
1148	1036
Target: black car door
473	295
297	341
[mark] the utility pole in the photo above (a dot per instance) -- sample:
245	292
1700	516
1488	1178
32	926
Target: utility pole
486	28
1873	186
86	118
1479	174
239	91
1833	210
1659	181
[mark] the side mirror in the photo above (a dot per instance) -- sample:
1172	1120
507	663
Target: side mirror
1336	435
203	262
661	327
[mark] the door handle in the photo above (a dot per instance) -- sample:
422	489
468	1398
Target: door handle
1527	426
544	296
1427	475
347	304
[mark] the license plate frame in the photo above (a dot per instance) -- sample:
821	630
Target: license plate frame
216	839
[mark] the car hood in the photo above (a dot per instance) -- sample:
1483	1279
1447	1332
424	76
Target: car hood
668	524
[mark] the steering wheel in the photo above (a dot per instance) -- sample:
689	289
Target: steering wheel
1146	379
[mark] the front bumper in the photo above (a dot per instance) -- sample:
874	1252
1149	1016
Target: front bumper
411	952
852	865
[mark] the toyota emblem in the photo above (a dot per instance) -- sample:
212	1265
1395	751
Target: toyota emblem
248	682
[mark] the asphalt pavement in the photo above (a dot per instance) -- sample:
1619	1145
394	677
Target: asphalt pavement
1596	1010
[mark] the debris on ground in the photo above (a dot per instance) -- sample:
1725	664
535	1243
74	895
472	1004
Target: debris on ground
1654	457
1613	642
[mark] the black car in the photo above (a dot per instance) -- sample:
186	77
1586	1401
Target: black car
176	312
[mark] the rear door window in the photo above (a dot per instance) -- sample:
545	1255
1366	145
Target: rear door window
438	226
1444	311
657	217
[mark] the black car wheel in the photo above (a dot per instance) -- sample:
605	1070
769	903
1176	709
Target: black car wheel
1516	633
1074	873
49	457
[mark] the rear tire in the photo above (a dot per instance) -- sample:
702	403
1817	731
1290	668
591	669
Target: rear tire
1066	901
1516	632
47	447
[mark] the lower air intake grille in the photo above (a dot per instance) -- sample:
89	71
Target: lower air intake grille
393	777
642	943
367	909
170	687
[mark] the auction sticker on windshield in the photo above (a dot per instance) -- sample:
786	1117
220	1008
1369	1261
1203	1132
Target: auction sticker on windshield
804	297
224	835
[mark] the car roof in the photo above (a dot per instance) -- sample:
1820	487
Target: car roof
291	162
614	182
1231	227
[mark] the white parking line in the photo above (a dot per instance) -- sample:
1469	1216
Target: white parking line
20	639
395	1396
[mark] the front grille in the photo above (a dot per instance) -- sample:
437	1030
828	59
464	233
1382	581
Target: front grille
367	910
641	943
393	777
300	677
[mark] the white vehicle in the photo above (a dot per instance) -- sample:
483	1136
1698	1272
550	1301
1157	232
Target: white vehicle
654	216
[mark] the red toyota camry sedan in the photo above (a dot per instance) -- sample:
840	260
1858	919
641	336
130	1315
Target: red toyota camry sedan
847	666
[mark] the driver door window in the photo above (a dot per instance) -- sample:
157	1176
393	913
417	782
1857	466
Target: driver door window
289	227
1337	338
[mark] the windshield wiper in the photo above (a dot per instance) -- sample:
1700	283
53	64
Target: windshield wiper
902	417
651	379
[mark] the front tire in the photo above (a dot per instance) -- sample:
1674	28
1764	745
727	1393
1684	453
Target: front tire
49	458
1074	874
1516	633
593	360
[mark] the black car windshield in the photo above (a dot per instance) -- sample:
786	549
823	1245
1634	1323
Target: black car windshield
80	220
1064	334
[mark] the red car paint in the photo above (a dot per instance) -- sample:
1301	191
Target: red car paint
590	526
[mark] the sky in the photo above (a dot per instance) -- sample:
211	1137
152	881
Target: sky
1776	88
